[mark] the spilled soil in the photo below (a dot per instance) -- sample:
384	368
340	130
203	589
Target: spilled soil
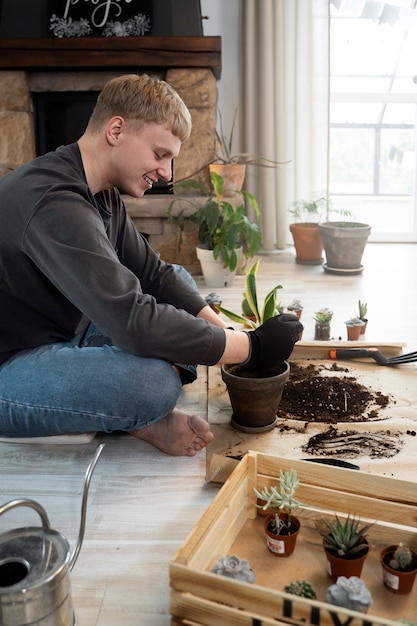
333	395
328	394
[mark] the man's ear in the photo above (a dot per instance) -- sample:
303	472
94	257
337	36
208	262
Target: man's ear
114	129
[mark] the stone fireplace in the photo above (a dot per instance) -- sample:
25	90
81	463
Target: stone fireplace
190	64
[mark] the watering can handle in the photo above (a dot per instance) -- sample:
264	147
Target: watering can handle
13	504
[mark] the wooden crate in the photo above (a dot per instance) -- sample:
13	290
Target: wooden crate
231	526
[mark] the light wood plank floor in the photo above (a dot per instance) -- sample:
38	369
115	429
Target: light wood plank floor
143	503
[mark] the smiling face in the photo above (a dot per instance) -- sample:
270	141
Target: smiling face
141	156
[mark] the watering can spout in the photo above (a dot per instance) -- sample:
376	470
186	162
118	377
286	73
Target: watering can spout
87	480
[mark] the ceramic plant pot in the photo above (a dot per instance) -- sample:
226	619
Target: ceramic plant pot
344	243
215	274
354	332
400	582
233	175
337	566
282	544
307	243
255	394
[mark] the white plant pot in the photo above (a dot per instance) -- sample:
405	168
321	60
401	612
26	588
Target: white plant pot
215	275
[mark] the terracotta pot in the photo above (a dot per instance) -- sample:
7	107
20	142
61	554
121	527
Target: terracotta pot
282	544
255	394
338	566
353	332
400	582
363	328
233	175
307	243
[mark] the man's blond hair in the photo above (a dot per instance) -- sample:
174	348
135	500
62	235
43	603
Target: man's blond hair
142	99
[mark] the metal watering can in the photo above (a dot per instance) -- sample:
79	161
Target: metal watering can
35	563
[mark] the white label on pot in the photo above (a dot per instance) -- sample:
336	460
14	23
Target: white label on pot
276	545
391	580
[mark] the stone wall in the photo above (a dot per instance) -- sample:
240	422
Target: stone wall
198	89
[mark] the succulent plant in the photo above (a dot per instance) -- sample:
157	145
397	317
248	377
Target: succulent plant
281	497
401	558
232	566
363	309
323	316
354	321
351	593
344	538
301	588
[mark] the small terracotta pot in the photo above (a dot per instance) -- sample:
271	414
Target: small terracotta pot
338	566
363	328
282	545
353	332
400	582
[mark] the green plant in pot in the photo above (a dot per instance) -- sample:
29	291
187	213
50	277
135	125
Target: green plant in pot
363	310
281	527
306	215
322	318
399	567
224	231
231	165
255	393
345	544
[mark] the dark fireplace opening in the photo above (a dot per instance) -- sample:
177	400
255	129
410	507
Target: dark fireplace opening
62	117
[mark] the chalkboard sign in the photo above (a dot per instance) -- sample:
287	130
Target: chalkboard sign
94	18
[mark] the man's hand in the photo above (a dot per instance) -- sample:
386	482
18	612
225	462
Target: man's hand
274	340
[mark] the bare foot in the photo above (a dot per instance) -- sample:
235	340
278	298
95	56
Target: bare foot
179	434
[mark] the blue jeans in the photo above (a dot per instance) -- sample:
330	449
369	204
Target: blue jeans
85	385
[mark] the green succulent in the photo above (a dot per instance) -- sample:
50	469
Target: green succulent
401	558
344	538
301	588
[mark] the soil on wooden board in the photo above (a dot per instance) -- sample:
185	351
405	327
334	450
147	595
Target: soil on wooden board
333	395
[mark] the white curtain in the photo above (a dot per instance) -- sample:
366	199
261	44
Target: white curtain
285	48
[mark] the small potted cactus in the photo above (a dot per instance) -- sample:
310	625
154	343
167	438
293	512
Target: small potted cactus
322	317
301	588
399	567
363	309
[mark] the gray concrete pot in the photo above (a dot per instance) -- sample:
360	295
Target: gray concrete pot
344	243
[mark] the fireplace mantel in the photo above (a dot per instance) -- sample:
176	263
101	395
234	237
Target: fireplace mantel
89	53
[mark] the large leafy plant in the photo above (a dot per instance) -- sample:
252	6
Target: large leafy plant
222	227
251	305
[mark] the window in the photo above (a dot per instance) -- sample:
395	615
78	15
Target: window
373	62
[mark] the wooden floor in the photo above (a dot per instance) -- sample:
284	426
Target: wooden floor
143	503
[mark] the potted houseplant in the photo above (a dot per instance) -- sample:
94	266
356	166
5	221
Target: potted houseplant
255	393
230	165
363	309
304	229
354	327
296	307
281	527
322	318
224	231
345	545
399	566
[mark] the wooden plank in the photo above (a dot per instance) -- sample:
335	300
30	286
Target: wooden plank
110	52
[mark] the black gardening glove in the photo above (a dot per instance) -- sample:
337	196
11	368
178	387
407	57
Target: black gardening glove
274	340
